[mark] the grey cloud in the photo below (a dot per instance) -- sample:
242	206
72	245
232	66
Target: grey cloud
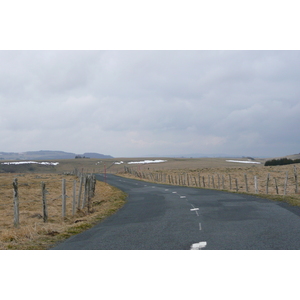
167	102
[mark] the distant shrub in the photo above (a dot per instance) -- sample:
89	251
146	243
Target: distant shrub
281	161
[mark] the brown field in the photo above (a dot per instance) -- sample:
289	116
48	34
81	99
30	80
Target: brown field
32	232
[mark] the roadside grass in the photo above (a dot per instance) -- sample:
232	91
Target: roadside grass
33	233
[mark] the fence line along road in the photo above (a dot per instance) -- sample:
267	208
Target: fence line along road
288	184
87	183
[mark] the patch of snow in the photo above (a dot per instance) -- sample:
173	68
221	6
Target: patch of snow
30	162
118	163
244	161
147	161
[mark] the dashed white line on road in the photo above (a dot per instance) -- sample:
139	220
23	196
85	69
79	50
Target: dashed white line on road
194	209
182	197
198	246
200	227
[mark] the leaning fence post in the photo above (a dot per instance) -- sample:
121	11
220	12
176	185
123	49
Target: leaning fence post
63	197
45	208
16	203
80	190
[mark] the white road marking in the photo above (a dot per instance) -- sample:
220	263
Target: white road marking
166	190
194	209
200	227
174	192
182	197
198	246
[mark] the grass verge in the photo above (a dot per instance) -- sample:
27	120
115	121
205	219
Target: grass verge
33	233
292	199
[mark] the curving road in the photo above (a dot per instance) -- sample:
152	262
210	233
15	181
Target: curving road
163	217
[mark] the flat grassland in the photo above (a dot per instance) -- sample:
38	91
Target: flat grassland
33	233
219	174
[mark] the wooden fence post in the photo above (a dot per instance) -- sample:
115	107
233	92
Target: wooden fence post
85	192
255	185
80	191
285	184
223	182
236	184
276	186
196	184
296	179
45	208
74	198
267	183
230	185
246	182
63	196
16	202
89	193
93	180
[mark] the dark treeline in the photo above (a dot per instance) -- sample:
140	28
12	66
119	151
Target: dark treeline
281	161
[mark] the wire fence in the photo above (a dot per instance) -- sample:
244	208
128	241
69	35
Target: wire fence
46	200
283	183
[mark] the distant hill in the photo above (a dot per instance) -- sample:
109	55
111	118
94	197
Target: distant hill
96	155
47	154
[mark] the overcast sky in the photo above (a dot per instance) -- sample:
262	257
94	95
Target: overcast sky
141	103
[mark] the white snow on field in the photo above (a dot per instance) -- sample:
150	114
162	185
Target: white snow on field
30	162
244	161
147	161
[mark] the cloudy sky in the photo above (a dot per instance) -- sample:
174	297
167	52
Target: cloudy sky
141	103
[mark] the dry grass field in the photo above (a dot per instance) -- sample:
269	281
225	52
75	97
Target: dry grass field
32	232
217	173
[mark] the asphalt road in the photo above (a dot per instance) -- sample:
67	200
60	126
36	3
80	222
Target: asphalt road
164	217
